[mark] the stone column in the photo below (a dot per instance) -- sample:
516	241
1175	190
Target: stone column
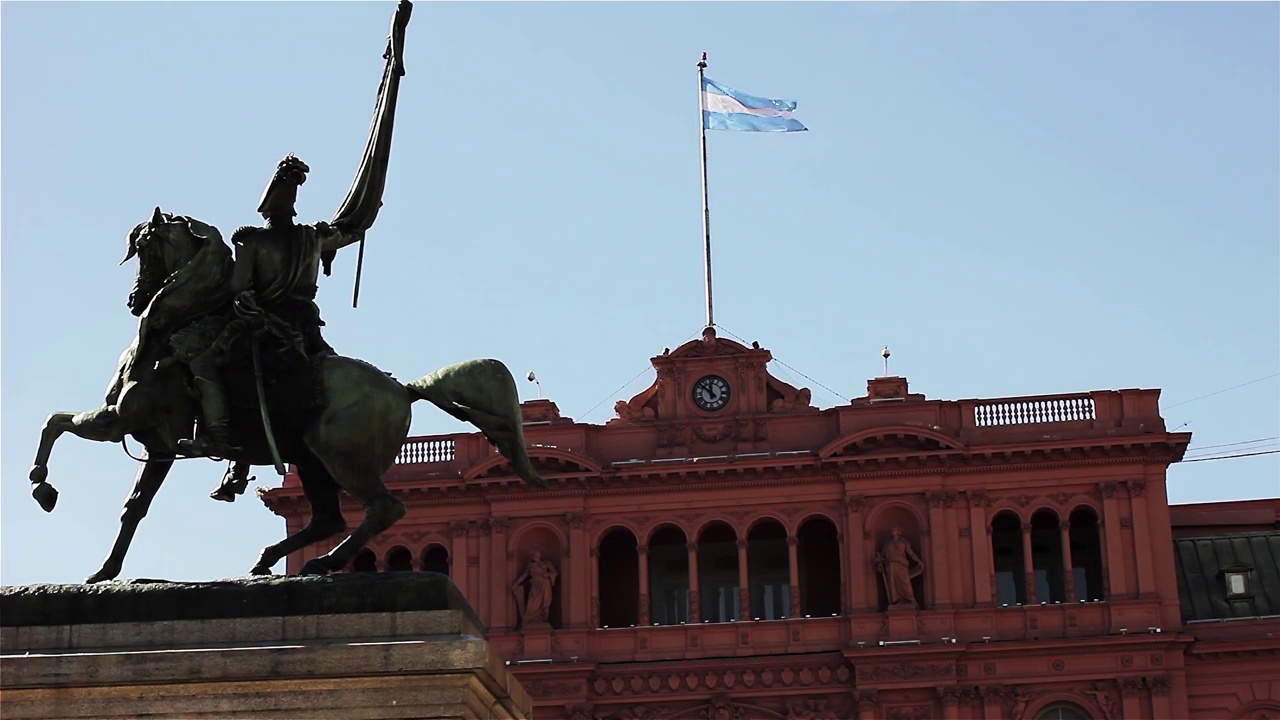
980	544
744	583
855	599
793	563
1141	538
1068	572
458	557
1117	575
1160	687
695	610
868	704
643	551
1131	690
992	697
950	698
938	570
500	602
1028	565
474	584
486	580
595	588
573	587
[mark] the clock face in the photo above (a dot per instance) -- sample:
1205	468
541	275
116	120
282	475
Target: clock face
711	392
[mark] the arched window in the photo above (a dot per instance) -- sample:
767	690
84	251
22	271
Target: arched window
718	573
1086	554
1046	557
1006	555
436	559
818	555
1063	711
769	570
399	559
668	576
365	561
619	578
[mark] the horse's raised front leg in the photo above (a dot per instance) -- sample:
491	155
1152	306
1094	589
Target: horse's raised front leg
148	482
101	425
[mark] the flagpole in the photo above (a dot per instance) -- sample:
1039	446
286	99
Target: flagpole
706	211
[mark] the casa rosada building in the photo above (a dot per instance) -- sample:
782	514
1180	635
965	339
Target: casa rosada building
723	549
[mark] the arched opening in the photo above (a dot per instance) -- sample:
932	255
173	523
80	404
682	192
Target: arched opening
668	576
818	556
718	573
1007	559
436	559
769	571
619	579
1063	711
1086	554
399	559
1046	557
365	561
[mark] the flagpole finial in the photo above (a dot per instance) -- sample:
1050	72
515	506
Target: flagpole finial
703	62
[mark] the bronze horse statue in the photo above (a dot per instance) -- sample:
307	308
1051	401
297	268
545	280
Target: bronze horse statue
346	440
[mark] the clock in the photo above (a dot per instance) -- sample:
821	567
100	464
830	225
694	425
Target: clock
711	393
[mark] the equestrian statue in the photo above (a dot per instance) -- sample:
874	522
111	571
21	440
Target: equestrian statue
229	363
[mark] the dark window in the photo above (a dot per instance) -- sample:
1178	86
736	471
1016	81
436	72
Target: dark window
1006	555
1046	557
1086	554
718	573
400	559
365	561
769	571
1063	711
436	559
619	590
668	576
819	560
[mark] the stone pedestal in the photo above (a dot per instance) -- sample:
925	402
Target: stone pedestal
393	645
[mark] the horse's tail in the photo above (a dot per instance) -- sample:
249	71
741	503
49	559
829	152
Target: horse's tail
483	393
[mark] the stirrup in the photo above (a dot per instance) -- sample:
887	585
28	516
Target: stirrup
201	446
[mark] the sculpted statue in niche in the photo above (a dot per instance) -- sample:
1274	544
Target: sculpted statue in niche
894	561
809	710
535	605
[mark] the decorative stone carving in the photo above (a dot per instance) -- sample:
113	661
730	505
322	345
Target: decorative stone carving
1017	702
809	709
499	524
535	604
458	528
575	520
1109	488
894	563
978	498
905	671
855	503
1136	487
940	499
866	699
1103	698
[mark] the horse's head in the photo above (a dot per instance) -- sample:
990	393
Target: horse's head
163	245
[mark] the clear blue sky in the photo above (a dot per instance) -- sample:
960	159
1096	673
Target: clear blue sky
1017	198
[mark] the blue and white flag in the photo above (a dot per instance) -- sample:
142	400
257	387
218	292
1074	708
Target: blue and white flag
724	108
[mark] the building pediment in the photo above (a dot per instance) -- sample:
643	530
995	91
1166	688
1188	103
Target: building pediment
889	440
713	379
545	459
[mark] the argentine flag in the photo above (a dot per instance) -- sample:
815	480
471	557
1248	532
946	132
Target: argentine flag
724	108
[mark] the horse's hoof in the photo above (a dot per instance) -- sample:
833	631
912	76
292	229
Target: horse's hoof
102	576
39	473
45	494
260	570
314	567
223	495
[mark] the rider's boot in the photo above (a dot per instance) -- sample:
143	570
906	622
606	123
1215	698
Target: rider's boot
234	483
213	440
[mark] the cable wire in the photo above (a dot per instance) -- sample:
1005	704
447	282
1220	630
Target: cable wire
1219	392
1229	457
835	394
